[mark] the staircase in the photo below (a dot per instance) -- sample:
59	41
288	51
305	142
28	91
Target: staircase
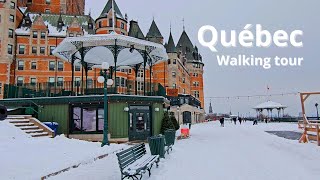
30	125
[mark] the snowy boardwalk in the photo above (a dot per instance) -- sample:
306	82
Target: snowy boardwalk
232	153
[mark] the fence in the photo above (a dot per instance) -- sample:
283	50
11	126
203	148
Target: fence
79	88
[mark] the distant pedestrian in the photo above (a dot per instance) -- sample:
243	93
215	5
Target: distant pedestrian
255	122
235	120
189	125
222	122
240	120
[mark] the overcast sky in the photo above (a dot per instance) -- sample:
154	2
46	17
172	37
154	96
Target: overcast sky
229	15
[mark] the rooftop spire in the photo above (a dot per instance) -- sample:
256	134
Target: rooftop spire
154	31
171	47
109	7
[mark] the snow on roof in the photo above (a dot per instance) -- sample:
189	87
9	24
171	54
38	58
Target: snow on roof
269	105
100	54
51	21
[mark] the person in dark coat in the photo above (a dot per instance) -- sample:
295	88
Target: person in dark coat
235	120
222	122
240	120
255	122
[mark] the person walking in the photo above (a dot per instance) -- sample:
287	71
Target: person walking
240	120
235	120
255	122
222	122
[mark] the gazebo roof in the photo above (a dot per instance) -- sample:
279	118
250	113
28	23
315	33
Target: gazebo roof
99	49
270	105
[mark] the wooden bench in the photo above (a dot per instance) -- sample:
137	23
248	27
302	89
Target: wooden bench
134	162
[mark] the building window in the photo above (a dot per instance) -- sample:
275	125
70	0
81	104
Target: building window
60	66
10	33
110	22
0	88
42	50
77	67
174	74
29	1
33	81
52	65
35	34
43	35
51	81
20	81
77	81
20	65
122	25
196	94
34	50
11	18
48	1
47	11
10	49
183	80
174	86
22	49
100	24
51	49
71	35
12	5
78	35
60	81
174	61
33	65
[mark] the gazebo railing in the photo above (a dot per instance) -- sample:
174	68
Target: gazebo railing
79	88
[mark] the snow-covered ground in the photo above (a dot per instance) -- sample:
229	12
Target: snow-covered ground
234	152
243	152
23	157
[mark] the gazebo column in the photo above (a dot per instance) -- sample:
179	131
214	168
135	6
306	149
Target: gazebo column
144	72
115	65
150	79
86	74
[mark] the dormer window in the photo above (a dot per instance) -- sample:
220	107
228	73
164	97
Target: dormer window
90	26
110	22
35	34
48	1
47	11
43	35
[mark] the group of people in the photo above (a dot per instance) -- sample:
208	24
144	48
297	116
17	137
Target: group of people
234	120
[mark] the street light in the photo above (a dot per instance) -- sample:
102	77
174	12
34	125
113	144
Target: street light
178	110
317	111
107	82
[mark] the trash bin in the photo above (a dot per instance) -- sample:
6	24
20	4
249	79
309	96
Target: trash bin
52	125
170	136
3	113
157	145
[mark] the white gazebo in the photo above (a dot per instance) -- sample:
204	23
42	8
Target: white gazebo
270	106
116	49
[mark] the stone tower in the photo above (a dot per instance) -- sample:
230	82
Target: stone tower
7	40
107	23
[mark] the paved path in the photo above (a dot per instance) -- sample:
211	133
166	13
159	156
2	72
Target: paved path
231	153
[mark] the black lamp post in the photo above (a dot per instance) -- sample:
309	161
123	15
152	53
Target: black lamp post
317	111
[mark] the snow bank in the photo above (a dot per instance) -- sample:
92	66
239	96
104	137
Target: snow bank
27	158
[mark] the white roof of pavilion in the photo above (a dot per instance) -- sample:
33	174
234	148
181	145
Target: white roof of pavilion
99	53
270	105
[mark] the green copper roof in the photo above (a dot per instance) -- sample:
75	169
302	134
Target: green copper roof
108	7
171	47
135	30
154	31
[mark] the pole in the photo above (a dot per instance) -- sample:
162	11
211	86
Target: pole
105	125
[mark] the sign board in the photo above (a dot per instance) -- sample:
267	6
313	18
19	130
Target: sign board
172	92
